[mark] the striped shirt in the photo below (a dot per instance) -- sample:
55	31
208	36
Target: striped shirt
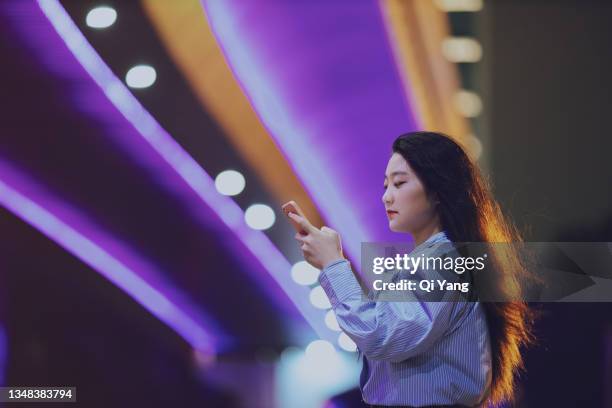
414	353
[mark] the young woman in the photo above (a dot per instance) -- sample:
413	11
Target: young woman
420	354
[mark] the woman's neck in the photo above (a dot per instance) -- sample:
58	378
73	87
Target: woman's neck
426	232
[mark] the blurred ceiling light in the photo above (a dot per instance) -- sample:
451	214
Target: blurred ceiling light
459	5
331	321
304	273
230	182
320	350
259	216
290	353
101	17
461	49
176	162
141	76
319	299
346	343
468	103
475	146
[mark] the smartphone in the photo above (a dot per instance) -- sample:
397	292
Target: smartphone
293	207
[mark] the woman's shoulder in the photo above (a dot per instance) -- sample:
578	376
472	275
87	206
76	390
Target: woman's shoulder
437	244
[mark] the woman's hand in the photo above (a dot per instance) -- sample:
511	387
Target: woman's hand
321	247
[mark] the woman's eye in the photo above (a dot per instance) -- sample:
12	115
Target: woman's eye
399	183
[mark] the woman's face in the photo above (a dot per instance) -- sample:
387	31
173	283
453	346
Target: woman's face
407	205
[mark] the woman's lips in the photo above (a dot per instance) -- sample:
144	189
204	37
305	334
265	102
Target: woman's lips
390	214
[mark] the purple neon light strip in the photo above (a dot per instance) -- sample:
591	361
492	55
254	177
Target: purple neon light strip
264	95
256	242
108	256
335	131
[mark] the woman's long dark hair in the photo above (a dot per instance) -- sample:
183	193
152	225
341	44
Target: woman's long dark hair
469	213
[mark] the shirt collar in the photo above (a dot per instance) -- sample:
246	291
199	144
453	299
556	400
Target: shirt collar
437	237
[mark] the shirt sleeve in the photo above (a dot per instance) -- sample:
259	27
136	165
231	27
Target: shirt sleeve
383	330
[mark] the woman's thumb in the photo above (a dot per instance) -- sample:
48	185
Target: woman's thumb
327	229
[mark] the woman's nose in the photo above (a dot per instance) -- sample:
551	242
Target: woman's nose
386	197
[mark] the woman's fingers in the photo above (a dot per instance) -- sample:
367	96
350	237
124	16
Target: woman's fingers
304	241
318	246
303	238
328	230
303	222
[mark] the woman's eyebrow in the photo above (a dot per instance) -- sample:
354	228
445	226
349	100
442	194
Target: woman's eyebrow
396	173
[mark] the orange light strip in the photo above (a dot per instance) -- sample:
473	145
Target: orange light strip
187	37
416	29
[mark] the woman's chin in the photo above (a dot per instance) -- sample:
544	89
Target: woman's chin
394	227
